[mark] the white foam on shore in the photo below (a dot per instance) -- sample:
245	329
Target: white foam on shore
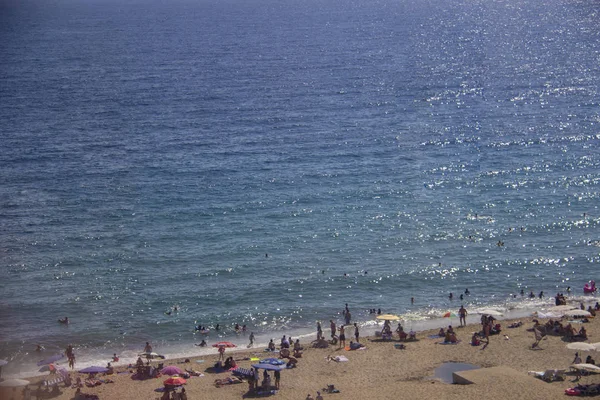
431	320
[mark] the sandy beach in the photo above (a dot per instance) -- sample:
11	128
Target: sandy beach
381	371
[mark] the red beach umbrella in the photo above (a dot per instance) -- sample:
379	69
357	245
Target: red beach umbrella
175	381
449	315
171	370
224	344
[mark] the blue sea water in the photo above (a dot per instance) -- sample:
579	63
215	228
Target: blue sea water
265	162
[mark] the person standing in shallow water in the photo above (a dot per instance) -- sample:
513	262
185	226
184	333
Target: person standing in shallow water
319	331
462	314
332	326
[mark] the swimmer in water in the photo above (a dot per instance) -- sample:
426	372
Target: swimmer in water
65	320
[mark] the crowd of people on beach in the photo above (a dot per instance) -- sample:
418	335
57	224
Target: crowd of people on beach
290	351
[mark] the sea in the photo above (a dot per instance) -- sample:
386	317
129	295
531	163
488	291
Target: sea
169	164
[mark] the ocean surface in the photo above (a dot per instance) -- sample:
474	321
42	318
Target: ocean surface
265	162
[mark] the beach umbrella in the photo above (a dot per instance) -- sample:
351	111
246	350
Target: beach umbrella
50	360
93	370
151	354
581	346
450	315
561	308
549	314
577	313
490	311
51	368
269	367
388	317
272	361
224	344
171	370
586	367
14	383
175	381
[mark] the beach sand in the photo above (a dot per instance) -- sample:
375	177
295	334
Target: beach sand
383	372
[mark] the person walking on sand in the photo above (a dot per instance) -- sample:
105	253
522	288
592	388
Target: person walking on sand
356	332
251	339
221	353
462	314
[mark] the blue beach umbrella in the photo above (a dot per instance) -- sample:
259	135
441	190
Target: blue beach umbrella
50	360
272	361
93	370
269	367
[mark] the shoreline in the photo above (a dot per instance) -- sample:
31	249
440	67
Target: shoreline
522	309
379	371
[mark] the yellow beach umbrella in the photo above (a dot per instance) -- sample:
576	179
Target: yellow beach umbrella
389	317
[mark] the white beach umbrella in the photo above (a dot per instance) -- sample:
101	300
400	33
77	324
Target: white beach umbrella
490	311
581	346
561	308
14	383
577	313
548	314
389	317
586	367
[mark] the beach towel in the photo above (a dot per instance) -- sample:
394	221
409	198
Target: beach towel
266	392
227	381
457	342
337	358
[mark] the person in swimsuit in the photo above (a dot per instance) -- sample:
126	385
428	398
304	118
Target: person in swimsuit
342	337
462	314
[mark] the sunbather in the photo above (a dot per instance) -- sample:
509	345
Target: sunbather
227	381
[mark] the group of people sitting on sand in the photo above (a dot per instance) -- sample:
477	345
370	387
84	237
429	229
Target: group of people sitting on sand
229	363
403	336
174	395
449	335
386	332
555	327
